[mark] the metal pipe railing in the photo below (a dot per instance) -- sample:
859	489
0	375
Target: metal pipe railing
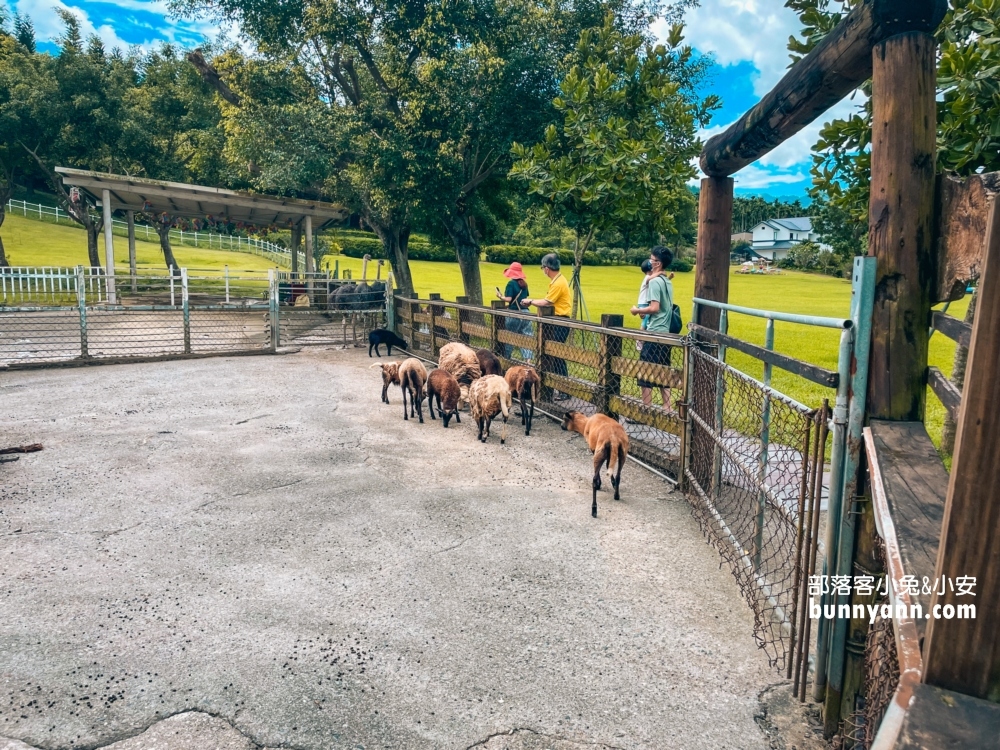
806	320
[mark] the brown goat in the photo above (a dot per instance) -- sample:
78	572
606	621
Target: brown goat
489	362
443	385
607	440
412	376
390	376
524	386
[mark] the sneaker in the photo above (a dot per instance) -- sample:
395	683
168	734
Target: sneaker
557	396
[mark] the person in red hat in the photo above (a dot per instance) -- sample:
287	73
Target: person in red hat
515	295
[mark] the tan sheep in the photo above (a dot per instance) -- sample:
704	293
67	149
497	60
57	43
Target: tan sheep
412	376
524	386
488	397
462	362
390	376
607	440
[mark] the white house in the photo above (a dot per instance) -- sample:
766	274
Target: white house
773	238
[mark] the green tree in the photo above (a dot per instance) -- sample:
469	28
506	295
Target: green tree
968	106
621	155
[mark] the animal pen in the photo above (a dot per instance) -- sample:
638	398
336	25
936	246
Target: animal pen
751	460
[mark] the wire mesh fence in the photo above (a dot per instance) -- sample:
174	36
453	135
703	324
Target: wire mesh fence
81	314
754	466
634	376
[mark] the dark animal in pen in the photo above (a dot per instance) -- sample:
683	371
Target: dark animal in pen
608	441
442	385
489	363
412	377
525	385
384	336
390	376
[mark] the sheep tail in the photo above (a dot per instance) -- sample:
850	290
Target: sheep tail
504	408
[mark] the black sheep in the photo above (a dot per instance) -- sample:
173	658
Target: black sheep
387	337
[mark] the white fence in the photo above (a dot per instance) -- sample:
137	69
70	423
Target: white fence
207	240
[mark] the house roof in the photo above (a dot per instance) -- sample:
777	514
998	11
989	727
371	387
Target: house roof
182	199
795	224
776	245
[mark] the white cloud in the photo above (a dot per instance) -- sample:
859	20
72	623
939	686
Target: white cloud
742	30
755	176
49	26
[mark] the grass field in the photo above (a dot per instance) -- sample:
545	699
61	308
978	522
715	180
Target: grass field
606	289
29	242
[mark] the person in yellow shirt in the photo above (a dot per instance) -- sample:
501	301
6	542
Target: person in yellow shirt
559	298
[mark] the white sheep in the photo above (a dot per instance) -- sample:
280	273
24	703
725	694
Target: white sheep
462	362
488	397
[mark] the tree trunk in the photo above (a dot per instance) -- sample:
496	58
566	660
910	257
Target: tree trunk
396	241
93	252
579	249
467	251
958	378
3	215
163	230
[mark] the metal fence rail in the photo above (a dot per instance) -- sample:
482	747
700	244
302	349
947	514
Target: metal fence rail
68	316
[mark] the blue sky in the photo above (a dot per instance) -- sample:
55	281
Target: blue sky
746	38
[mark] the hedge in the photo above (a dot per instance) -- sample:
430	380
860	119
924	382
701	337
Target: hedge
356	245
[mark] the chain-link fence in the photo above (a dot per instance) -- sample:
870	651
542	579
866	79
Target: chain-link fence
755	471
67	314
635	376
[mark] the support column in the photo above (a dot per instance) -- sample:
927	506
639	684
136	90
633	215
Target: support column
715	226
130	218
900	223
309	245
964	654
296	242
109	248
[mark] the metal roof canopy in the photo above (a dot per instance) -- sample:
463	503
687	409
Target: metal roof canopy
182	199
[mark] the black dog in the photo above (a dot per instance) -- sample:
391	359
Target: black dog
387	337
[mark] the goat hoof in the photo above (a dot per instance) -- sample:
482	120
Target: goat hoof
593	513
502	441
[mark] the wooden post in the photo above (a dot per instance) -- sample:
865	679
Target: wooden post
607	379
715	222
130	218
542	335
109	248
964	654
463	317
901	223
432	311
309	245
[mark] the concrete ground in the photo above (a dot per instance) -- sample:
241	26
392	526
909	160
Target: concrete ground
259	552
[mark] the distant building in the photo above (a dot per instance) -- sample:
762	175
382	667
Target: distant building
773	238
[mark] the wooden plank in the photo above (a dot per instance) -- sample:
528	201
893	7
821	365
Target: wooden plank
475	329
516	339
964	654
915	484
839	64
424	318
667	377
901	223
810	372
955	329
945	390
652	416
447	324
715	226
939	719
572	354
962	208
576	388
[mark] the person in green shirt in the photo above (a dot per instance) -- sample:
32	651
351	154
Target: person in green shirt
657	313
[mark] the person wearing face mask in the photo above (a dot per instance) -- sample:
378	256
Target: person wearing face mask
560	299
657	313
